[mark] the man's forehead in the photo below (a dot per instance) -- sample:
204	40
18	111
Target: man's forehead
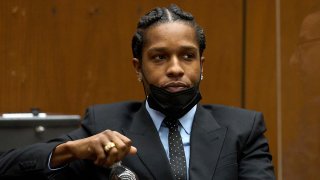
171	30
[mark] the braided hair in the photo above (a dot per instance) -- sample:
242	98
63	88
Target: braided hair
163	15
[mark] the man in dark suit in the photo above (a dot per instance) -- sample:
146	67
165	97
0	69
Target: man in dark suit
217	142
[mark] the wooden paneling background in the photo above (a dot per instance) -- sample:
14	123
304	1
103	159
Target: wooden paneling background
260	65
300	47
281	79
62	56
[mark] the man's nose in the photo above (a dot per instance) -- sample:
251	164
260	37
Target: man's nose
175	68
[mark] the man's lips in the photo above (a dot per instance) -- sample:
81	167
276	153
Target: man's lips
175	89
175	86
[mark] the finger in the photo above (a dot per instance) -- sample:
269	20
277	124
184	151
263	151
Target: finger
123	146
125	139
112	157
133	150
109	145
101	156
123	143
93	149
114	134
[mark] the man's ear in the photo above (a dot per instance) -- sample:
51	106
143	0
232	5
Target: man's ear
201	64
137	66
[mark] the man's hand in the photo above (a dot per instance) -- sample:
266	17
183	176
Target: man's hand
93	148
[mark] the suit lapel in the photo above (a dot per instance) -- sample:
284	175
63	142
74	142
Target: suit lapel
207	139
146	139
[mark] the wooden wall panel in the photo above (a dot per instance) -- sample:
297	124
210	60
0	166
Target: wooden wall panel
62	56
260	66
300	25
291	108
223	24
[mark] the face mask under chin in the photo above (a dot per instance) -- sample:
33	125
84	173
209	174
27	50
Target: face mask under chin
173	105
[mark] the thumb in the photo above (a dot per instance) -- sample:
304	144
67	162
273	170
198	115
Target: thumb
133	150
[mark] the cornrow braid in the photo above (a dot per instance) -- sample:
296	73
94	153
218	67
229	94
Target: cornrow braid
184	15
150	18
163	15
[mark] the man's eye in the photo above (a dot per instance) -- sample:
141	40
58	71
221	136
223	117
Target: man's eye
188	56
159	57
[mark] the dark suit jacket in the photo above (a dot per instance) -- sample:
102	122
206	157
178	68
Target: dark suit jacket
226	143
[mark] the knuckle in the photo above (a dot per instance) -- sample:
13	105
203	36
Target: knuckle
107	131
113	151
128	142
116	132
122	147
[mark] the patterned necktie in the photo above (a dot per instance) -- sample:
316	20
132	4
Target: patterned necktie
176	151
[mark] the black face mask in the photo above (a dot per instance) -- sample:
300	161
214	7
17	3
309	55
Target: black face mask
173	105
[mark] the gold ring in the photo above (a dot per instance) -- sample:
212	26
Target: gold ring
108	146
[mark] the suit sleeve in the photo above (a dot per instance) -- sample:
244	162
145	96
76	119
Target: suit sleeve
255	160
30	161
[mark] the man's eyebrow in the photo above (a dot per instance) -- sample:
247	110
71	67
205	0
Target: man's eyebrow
189	48
157	49
165	48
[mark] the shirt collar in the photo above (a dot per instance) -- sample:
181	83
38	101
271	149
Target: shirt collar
185	121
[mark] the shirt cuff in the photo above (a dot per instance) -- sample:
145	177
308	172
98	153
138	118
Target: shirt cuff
54	169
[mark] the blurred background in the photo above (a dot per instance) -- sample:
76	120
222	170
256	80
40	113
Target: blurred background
61	56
